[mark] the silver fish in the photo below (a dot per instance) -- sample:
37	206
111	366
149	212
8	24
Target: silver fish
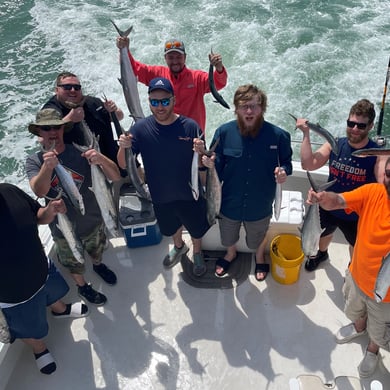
278	201
103	194
70	188
311	229
67	230
66	227
213	190
128	79
382	283
323	133
195	176
371	152
131	167
278	198
218	98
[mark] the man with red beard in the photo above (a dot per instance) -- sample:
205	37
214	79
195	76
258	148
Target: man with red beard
251	156
349	171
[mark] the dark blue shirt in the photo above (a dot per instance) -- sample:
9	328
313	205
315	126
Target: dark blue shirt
246	167
167	153
351	172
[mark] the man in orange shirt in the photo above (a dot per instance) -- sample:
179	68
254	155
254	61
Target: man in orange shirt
189	85
372	203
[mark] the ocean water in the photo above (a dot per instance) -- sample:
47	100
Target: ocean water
313	58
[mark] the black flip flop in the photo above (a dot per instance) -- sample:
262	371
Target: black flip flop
261	267
225	265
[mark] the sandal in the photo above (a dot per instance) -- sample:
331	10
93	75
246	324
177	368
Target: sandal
225	265
45	362
261	268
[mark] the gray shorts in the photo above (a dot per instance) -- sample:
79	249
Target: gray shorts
358	304
255	231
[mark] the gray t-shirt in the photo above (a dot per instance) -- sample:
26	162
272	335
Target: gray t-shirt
80	170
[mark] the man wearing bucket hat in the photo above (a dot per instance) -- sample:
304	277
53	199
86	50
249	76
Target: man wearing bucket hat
89	228
189	85
165	141
252	155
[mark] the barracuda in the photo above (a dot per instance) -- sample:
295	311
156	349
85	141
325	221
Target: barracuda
323	133
371	152
311	229
382	283
128	79
104	197
219	99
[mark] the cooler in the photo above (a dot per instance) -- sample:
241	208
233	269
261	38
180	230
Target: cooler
138	222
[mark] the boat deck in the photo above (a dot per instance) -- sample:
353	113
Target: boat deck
157	332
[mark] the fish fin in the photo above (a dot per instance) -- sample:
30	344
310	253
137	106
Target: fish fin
121	32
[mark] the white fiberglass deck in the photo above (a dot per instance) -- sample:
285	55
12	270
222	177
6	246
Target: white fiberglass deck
157	332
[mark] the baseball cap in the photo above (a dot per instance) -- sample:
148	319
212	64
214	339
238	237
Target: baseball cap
174	45
160	83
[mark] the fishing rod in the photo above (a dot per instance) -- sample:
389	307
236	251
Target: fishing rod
380	120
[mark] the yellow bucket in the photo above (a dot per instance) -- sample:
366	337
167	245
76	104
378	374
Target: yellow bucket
287	256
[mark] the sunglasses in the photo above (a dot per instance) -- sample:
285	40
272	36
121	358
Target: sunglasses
173	45
360	126
387	173
52	127
164	102
68	87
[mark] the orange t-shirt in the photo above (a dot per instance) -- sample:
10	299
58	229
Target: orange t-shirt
372	204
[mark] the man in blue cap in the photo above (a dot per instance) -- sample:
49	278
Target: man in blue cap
165	141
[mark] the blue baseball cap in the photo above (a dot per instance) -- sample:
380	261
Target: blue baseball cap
160	83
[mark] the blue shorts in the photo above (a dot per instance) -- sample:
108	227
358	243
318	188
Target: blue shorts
29	319
190	214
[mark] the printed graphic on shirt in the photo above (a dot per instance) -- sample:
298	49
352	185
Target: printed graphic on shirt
347	169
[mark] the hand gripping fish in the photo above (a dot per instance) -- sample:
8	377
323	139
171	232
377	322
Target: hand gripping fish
89	137
218	98
323	133
382	283
103	195
128	79
69	186
66	227
311	229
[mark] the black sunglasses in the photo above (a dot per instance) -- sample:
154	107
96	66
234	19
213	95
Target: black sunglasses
68	87
360	126
48	128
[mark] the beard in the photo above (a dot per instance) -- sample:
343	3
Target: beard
356	139
251	130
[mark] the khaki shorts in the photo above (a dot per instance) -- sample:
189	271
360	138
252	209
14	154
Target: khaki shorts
255	231
358	304
94	244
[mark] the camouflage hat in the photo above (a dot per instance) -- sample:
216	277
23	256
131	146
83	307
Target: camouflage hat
48	117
